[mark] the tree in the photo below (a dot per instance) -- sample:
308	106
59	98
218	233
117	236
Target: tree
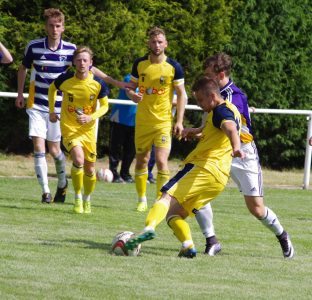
271	49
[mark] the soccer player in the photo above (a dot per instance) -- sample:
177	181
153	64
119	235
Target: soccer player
5	55
48	58
156	76
247	173
81	92
204	173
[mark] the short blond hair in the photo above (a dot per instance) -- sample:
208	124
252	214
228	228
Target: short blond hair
82	49
53	13
154	31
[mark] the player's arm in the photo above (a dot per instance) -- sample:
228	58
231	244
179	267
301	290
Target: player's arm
102	110
192	133
230	129
310	141
181	102
52	99
108	79
136	97
6	55
21	77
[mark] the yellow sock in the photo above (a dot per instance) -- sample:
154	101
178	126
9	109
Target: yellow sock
156	214
77	178
140	182
162	177
180	228
89	183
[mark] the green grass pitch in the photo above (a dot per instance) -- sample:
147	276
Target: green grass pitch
47	252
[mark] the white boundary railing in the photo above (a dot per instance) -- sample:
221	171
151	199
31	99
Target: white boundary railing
307	113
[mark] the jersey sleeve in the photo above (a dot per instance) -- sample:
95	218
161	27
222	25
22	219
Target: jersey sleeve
221	114
28	57
134	72
178	72
61	78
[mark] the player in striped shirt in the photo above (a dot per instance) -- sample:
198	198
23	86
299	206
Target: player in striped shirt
47	58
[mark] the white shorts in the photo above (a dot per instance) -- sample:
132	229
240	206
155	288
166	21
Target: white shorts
40	126
247	173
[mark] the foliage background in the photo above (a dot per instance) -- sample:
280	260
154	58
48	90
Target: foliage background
270	43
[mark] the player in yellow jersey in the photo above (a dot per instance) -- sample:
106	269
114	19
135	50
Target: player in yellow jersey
81	92
205	171
157	77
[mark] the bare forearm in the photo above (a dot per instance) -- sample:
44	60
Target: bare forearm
6	55
21	77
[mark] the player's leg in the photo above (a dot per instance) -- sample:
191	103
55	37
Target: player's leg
89	176
270	220
77	174
193	187
163	173
53	141
38	133
155	215
89	182
60	167
247	173
204	218
162	144
143	139
181	229
41	168
140	179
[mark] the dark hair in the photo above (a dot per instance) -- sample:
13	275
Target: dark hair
206	85
219	62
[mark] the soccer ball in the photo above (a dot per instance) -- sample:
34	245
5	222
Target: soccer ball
118	245
104	175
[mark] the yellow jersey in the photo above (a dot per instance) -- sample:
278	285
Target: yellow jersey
156	82
79	96
213	151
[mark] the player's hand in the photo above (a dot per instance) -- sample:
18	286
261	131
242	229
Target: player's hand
83	119
20	102
136	97
177	130
310	141
53	117
238	153
191	133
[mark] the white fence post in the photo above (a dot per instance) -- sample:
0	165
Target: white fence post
307	160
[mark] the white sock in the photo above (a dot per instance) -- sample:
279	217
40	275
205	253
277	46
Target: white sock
60	166
78	196
41	169
187	244
204	218
271	221
142	199
86	197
